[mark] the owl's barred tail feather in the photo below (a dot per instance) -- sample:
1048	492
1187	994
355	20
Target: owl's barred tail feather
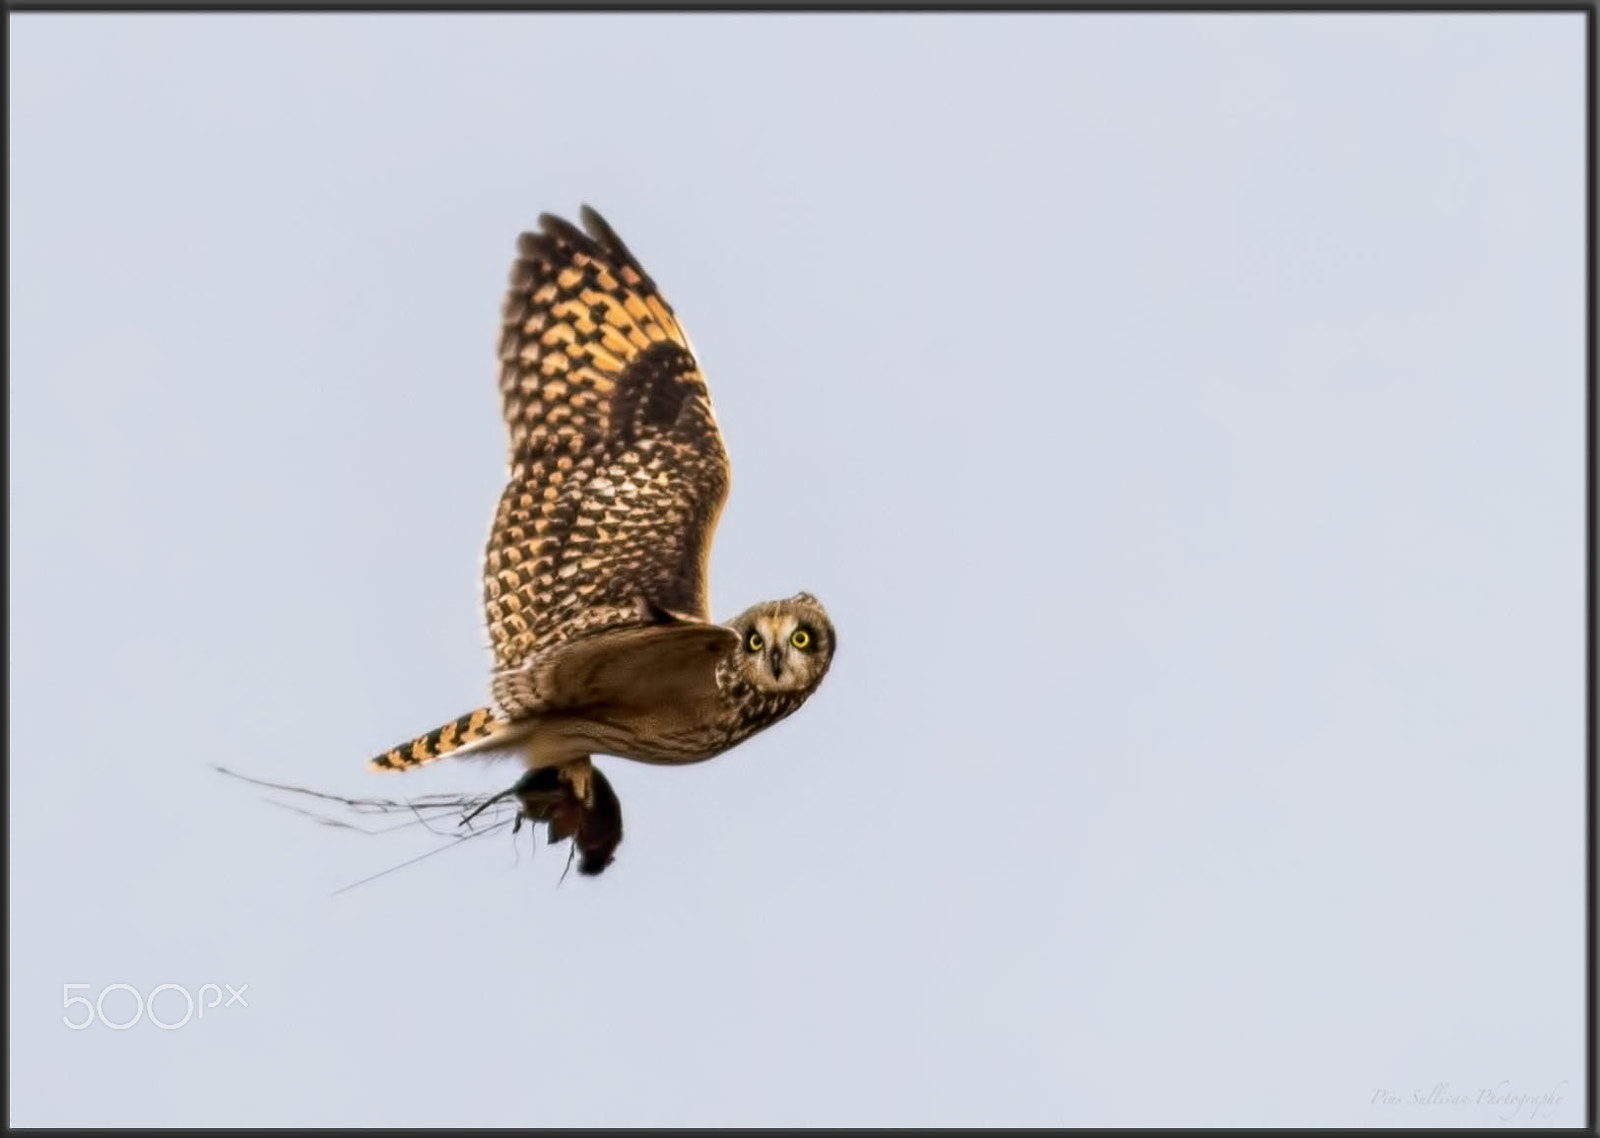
473	727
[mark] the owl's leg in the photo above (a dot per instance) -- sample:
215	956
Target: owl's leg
577	802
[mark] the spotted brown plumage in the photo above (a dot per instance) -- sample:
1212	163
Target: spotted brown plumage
618	472
595	586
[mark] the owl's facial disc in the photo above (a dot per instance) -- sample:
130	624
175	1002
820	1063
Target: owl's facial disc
785	645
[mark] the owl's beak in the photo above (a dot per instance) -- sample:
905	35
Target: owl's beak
775	658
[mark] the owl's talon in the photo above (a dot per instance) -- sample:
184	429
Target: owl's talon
575	802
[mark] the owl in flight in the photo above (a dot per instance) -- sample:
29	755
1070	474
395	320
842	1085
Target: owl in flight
594	576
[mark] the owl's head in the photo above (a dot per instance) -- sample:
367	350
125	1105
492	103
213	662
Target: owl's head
784	646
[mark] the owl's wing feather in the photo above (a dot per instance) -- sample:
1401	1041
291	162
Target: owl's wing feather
617	469
621	669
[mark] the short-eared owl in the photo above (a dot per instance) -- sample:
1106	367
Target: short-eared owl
594	578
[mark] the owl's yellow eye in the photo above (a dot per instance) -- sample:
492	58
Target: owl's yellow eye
801	638
752	642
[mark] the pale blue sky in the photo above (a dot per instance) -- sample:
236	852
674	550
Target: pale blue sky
1181	417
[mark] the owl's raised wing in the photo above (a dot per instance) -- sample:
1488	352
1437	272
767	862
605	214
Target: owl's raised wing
618	473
